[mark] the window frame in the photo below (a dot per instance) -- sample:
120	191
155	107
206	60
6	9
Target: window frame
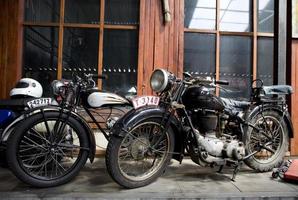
61	25
254	34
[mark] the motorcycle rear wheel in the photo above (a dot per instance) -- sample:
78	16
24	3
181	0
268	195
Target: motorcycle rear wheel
272	154
42	157
141	156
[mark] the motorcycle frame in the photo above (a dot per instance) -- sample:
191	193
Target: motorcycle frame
168	118
70	112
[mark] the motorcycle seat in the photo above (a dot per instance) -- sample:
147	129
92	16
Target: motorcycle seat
234	106
277	90
14	103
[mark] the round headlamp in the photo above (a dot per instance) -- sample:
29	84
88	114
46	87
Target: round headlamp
57	86
159	80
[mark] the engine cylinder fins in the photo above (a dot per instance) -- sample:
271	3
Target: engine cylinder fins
220	147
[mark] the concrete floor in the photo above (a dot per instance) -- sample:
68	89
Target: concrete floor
180	181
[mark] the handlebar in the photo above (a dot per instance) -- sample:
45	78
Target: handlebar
198	80
86	81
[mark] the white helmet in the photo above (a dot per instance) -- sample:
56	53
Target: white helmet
27	87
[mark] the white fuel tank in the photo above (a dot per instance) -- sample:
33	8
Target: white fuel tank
98	99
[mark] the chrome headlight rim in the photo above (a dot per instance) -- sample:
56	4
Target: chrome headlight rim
56	87
165	80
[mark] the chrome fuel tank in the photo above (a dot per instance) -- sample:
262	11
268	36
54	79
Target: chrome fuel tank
99	99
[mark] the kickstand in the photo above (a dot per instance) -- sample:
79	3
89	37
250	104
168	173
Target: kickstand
236	170
220	169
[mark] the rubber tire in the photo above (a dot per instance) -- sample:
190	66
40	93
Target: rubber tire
112	160
3	161
15	138
262	167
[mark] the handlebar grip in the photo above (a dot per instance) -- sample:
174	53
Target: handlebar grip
99	76
222	82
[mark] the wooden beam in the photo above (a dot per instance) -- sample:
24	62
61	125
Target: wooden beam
265	34
42	24
77	25
255	40
121	27
234	33
19	58
294	97
100	41
217	50
60	42
181	38
141	48
192	30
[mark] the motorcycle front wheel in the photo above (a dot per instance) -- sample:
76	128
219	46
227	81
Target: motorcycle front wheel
271	146
45	152
141	156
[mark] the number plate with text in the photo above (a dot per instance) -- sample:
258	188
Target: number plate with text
39	102
142	101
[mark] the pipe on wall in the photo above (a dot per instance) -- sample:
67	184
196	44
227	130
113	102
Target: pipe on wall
166	11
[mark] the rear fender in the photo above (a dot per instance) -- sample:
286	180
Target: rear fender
277	109
91	138
134	117
7	131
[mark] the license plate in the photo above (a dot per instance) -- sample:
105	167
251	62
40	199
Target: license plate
39	102
142	101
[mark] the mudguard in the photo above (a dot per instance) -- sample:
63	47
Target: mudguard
278	109
134	117
34	111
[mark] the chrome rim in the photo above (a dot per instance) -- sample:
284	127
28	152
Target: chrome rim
143	151
267	148
47	152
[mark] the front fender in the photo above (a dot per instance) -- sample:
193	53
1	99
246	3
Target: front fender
91	138
277	109
134	117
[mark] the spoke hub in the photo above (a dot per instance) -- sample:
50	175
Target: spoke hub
139	148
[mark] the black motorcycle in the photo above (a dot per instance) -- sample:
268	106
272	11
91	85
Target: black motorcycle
186	117
53	143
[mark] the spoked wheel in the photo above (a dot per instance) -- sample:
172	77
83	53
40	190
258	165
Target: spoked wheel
269	144
46	153
141	156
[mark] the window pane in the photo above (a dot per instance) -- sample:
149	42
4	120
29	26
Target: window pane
265	60
42	11
199	54
82	11
266	16
200	14
80	51
121	12
120	60
236	65
40	55
236	15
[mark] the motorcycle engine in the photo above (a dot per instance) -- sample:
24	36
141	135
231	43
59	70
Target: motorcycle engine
221	147
204	108
210	140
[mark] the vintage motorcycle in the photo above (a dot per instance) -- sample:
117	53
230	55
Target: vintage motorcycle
186	117
54	142
25	95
